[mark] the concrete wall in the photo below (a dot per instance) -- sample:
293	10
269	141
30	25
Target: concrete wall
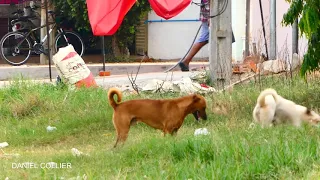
6	10
284	34
171	40
239	28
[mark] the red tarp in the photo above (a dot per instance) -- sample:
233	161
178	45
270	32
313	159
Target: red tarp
105	16
168	8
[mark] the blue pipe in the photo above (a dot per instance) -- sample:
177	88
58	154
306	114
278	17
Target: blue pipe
171	20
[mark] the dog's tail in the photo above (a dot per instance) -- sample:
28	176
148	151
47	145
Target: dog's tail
111	93
266	92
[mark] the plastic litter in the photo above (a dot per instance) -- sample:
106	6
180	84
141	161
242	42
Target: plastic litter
3	145
201	131
252	125
76	152
51	128
184	86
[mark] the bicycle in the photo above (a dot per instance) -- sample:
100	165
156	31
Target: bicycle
21	44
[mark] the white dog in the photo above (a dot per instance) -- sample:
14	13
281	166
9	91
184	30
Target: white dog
272	109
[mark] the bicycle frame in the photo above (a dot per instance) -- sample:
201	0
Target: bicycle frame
60	30
50	30
26	37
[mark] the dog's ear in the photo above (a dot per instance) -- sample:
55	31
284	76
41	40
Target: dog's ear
308	112
195	98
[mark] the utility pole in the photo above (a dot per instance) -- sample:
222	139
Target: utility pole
273	30
295	37
220	43
247	52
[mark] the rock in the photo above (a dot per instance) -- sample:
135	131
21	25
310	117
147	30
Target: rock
273	66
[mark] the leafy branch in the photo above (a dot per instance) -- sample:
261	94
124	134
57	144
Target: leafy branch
308	11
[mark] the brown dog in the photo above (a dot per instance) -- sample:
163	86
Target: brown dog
167	115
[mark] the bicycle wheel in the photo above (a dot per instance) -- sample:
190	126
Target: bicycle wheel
72	38
15	48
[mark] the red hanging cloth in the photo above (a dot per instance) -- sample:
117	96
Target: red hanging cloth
168	8
106	16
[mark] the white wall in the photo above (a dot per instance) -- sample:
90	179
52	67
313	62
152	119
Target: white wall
284	34
238	9
171	40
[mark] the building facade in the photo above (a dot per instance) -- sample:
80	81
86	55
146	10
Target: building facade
171	39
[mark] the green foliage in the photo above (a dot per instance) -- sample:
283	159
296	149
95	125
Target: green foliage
309	13
76	11
129	25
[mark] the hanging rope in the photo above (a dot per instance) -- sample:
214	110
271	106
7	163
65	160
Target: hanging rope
263	29
224	7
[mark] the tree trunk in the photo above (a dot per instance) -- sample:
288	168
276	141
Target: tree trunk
119	51
115	47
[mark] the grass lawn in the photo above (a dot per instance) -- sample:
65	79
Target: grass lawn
233	150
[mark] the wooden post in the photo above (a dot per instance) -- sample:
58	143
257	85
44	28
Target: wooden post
43	58
247	51
220	43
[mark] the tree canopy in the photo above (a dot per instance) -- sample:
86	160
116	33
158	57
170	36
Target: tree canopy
308	13
77	12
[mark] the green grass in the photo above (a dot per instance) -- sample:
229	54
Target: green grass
233	150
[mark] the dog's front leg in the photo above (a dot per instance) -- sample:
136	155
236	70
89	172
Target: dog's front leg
174	132
296	121
165	131
171	131
164	134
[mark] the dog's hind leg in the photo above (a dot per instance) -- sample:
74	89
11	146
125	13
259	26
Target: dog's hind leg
122	128
115	145
122	136
266	117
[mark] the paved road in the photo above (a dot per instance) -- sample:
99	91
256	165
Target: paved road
122	80
42	72
142	79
